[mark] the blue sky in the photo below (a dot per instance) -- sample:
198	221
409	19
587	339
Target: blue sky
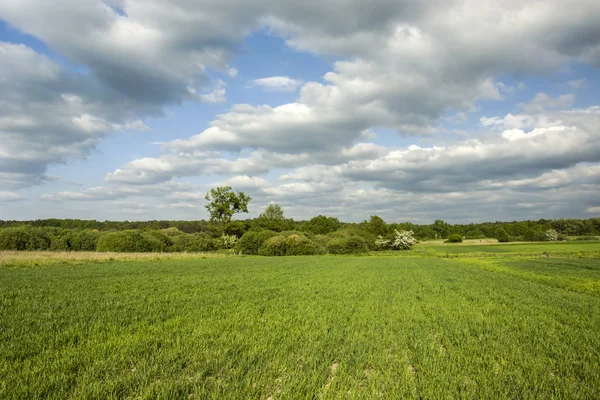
132	110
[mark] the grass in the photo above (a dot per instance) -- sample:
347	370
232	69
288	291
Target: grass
319	327
568	249
19	259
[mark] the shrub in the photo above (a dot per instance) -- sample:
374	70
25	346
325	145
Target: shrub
236	228
252	241
322	225
172	232
61	241
403	240
551	235
501	235
24	238
129	241
454	238
382	243
166	242
194	243
14	238
226	242
84	240
73	240
347	245
292	245
539	237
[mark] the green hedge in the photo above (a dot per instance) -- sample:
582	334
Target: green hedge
24	238
130	241
194	243
347	245
292	245
252	241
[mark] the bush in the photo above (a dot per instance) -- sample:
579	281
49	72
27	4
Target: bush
130	241
172	232
194	243
551	235
403	240
24	238
454	238
14	238
252	241
501	235
382	243
322	225
226	242
347	245
73	240
292	245
166	242
84	240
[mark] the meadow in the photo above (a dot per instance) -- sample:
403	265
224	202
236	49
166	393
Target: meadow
441	321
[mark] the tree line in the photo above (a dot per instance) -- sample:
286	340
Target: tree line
271	233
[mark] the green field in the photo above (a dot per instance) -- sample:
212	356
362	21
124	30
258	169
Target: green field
409	325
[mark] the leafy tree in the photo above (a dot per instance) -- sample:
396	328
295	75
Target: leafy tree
322	225
440	227
273	219
376	225
223	203
272	212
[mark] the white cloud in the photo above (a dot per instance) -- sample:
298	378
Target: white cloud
277	83
9	196
400	65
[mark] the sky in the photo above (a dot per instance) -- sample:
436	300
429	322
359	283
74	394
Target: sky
466	111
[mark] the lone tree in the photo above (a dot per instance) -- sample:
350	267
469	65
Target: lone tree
223	203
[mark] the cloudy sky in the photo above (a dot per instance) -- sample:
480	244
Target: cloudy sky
467	110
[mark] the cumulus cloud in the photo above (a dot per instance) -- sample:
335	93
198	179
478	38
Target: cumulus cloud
277	83
9	196
401	65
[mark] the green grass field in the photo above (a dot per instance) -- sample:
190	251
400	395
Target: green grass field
317	327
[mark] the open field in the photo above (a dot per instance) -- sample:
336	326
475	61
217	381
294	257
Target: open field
405	326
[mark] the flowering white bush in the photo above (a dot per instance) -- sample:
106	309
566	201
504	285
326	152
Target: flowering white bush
227	241
551	235
404	240
382	243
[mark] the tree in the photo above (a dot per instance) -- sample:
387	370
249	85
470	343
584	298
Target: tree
322	225
223	203
272	212
376	225
440	227
273	219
